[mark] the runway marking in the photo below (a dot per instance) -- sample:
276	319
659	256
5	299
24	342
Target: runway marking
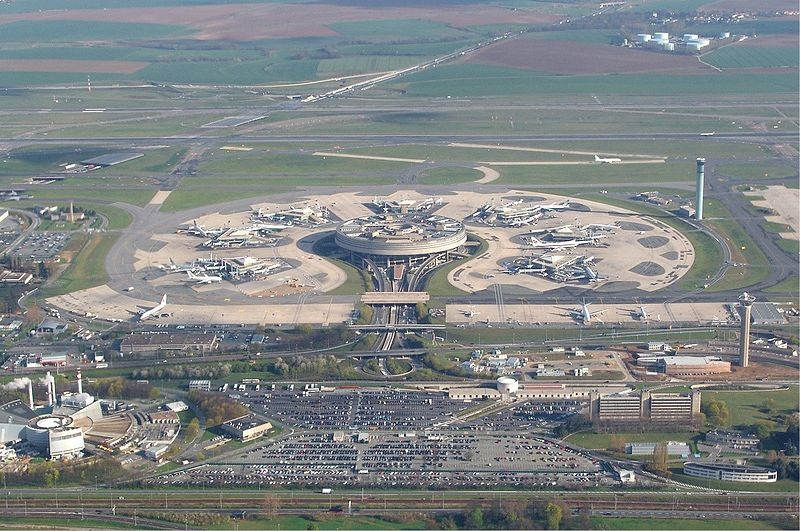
541	150
160	197
566	163
366	157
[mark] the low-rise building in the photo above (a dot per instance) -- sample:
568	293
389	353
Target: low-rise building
168	342
200	385
247	427
733	438
648	448
730	472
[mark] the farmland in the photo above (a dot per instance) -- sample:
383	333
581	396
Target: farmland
752	57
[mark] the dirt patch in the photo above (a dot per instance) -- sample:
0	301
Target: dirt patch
61	65
254	21
564	57
747	6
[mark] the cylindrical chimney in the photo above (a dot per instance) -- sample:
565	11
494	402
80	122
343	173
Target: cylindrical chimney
30	393
80	383
701	177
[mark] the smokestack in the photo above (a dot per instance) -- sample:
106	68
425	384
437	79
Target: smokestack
701	177
30	393
746	300
48	379
80	383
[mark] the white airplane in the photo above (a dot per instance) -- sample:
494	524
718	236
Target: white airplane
710	133
592	275
470	313
642	314
599	226
536	243
153	312
204	278
585	316
606	160
555	206
175	268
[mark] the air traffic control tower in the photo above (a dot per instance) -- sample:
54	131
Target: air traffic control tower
701	178
746	300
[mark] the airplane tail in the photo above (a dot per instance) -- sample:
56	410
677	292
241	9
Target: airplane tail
164	300
596	158
172	263
191	275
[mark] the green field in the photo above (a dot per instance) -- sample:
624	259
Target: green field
448	175
324	522
79	30
402	30
462	81
678	523
782	485
745	406
757	170
601	441
87	269
364	63
752	57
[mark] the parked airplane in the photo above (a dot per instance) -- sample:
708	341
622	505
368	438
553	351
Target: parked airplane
153	312
175	268
555	206
710	133
470	313
204	278
536	243
585	316
642	314
606	160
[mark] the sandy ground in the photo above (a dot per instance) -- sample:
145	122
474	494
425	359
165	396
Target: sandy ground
784	201
67	65
527	314
489	175
160	197
109	304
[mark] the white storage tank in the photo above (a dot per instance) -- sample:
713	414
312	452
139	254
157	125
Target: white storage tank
690	36
507	385
644	37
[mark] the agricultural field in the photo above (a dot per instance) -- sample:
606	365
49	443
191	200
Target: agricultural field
752	57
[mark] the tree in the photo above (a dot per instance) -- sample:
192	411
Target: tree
474	519
716	412
660	463
761	430
554	513
616	444
192	429
768	405
270	505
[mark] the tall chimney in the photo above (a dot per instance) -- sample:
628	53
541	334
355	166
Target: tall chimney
30	393
80	383
701	177
48	380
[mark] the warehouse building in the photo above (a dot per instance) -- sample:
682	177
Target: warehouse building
667	408
648	448
246	428
168	342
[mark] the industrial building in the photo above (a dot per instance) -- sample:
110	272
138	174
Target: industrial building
168	342
246	428
671	408
730	472
648	448
685	365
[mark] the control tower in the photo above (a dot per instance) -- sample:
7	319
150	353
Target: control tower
746	301
701	177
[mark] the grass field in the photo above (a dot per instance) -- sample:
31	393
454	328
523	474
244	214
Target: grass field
461	81
789	284
601	441
745	406
327	522
783	485
21	522
757	170
752	57
78	30
448	175
678	523
87	269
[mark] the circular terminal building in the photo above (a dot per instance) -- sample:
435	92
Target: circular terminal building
401	238
54	435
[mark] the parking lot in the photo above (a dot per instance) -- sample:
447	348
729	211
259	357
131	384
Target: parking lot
42	245
356	409
434	460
